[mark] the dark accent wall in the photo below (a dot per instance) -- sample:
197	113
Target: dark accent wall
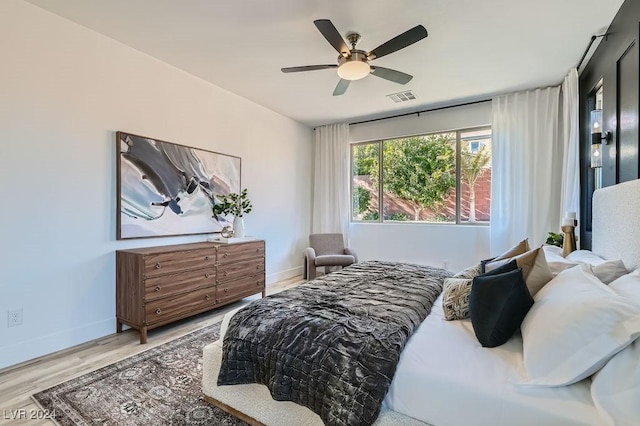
615	62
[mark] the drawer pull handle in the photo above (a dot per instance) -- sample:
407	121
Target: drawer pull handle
157	288
158	311
226	273
217	281
257	250
226	255
226	290
158	266
207	275
258	283
207	258
207	297
258	266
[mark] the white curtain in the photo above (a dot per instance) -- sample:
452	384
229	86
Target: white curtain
331	180
526	168
570	197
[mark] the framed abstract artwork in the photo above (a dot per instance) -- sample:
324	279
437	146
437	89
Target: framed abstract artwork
166	189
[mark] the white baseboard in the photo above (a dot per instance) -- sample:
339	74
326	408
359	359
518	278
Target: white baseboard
283	275
29	349
26	350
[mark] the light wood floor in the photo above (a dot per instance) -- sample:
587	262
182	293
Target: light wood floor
19	382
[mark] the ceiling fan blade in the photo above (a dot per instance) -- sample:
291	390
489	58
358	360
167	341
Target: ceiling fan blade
308	68
341	87
332	35
391	75
405	39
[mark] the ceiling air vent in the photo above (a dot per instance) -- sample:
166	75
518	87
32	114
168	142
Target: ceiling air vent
407	95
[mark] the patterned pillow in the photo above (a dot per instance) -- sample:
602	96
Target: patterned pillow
455	293
471	272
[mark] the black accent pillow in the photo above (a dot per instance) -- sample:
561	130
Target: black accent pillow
483	264
512	265
497	305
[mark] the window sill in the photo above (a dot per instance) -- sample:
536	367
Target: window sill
415	223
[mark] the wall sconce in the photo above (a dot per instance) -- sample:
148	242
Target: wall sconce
597	138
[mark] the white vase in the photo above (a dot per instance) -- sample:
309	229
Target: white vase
238	226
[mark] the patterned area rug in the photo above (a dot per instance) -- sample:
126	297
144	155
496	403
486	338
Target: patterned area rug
161	386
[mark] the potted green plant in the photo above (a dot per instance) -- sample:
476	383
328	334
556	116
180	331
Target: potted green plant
555	239
237	205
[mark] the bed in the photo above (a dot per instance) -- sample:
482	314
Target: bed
444	376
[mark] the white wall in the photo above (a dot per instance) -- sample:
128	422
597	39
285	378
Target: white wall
452	246
65	90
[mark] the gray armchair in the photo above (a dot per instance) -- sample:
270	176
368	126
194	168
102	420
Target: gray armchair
326	250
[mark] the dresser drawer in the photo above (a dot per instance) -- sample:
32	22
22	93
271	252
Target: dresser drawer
179	282
237	270
238	252
232	290
179	305
166	263
160	285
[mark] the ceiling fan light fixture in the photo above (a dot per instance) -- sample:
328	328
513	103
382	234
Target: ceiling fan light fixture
354	68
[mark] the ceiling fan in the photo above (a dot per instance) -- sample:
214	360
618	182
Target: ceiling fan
353	64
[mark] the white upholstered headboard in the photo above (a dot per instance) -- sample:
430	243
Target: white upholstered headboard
616	223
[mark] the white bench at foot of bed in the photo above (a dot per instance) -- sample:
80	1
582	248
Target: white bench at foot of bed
253	402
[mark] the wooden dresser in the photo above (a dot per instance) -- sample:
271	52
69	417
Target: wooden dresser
159	285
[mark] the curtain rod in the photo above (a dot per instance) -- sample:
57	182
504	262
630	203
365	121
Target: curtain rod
593	39
420	112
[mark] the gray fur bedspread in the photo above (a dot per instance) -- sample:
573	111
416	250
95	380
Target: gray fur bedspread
332	344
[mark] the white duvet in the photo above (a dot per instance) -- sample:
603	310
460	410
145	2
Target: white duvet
446	378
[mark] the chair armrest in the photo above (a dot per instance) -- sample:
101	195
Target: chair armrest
352	253
309	263
310	254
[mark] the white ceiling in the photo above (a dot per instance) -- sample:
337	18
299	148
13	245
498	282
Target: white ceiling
475	48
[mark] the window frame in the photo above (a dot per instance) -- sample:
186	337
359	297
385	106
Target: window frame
380	143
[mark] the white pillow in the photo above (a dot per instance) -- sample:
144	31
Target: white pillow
585	256
556	262
609	271
628	286
616	388
554	250
574	327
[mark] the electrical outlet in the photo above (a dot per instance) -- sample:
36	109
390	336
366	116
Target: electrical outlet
14	318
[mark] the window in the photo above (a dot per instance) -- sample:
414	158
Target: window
441	177
597	171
